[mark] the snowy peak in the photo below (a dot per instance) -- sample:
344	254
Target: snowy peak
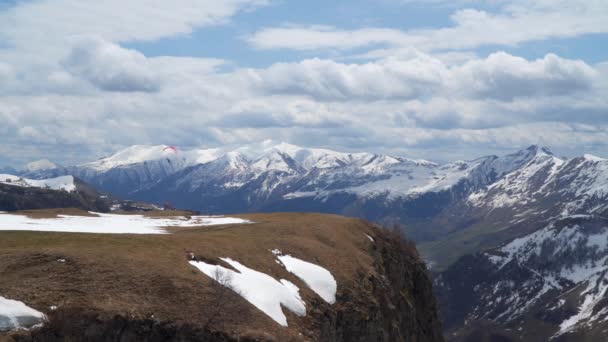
309	158
40	165
592	158
521	178
138	154
275	160
133	155
511	162
232	161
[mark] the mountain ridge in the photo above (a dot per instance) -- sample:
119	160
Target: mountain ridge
450	208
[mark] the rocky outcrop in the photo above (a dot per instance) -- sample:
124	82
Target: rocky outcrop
396	304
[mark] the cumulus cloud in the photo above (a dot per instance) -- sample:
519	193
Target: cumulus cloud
500	76
519	21
111	67
503	76
330	80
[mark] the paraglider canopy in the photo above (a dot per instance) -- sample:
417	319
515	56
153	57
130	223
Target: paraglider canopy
170	148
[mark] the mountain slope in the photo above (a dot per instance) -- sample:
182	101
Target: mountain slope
548	284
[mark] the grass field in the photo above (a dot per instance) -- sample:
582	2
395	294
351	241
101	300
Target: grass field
145	276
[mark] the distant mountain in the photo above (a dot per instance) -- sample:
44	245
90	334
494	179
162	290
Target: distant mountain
550	284
40	165
449	209
8	170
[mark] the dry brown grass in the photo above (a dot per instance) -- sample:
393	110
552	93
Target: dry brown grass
148	275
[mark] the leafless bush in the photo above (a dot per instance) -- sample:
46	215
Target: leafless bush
221	301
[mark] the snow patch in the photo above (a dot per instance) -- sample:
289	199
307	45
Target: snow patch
60	183
17	315
109	223
317	278
259	289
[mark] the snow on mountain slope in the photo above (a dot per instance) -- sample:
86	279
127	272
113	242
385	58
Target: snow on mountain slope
557	274
575	186
520	185
139	154
289	177
60	183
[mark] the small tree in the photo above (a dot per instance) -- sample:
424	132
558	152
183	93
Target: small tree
222	292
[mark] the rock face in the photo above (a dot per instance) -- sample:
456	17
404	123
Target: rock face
401	302
550	284
383	290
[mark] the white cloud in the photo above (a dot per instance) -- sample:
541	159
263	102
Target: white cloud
112	68
69	97
503	76
35	24
499	76
329	80
518	22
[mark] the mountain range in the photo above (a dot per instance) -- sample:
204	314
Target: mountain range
449	209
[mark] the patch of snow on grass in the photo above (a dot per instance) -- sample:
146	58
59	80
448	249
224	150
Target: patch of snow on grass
259	289
17	315
108	223
319	279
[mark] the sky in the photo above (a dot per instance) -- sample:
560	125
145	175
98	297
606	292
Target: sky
432	79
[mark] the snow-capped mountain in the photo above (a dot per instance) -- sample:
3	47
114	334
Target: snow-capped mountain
40	165
450	209
547	285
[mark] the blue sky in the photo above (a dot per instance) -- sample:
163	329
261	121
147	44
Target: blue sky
431	79
227	41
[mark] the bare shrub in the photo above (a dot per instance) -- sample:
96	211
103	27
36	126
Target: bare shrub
221	301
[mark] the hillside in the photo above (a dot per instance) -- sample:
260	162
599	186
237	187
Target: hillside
143	286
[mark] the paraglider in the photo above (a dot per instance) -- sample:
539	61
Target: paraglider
170	148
